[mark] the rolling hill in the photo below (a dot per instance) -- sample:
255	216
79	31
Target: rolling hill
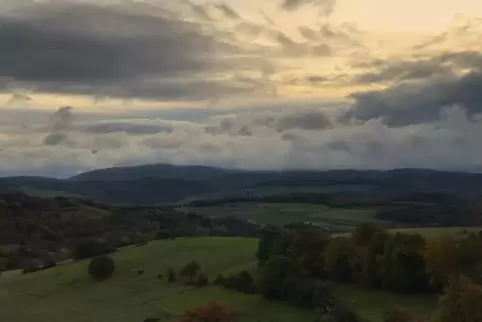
154	184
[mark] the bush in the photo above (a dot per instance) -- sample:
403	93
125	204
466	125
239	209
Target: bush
202	281
210	312
160	276
219	280
101	267
245	282
171	274
140	272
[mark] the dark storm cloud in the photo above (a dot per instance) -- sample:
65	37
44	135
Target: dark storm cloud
111	51
420	102
422	89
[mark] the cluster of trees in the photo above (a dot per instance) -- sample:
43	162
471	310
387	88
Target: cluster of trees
373	257
191	273
241	282
429	209
75	228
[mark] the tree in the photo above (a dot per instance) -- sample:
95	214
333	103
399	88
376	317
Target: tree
202	281
371	258
307	248
442	260
461	302
171	275
273	273
340	258
364	233
245	282
190	271
101	267
265	245
211	312
402	267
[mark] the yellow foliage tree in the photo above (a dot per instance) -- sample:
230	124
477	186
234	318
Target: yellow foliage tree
442	260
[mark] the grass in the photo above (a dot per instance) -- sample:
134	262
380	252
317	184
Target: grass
66	293
336	219
430	232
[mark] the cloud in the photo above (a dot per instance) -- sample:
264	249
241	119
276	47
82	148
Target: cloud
423	100
121	50
326	6
18	98
228	11
282	138
445	65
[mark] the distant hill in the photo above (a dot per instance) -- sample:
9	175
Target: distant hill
153	171
163	183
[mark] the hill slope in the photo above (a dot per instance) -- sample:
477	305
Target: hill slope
66	293
152	184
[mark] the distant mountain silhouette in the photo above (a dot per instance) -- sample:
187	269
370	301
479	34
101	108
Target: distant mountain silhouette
164	183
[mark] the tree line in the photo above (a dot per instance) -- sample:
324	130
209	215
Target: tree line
296	266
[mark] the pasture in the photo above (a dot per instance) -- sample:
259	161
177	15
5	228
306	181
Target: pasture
66	293
279	214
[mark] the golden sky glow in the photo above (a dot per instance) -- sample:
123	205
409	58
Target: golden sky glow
389	28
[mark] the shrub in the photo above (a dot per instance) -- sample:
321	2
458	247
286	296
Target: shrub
202	281
101	267
210	312
245	282
140	272
190	271
160	276
171	274
219	280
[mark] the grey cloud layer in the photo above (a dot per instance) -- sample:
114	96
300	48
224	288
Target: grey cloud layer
115	51
422	89
264	139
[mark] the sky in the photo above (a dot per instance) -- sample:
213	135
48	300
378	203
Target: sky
273	84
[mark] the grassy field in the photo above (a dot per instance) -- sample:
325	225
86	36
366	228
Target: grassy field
456	232
65	293
337	219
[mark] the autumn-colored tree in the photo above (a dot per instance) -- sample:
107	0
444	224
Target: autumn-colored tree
461	302
442	260
190	271
212	312
400	314
340	258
